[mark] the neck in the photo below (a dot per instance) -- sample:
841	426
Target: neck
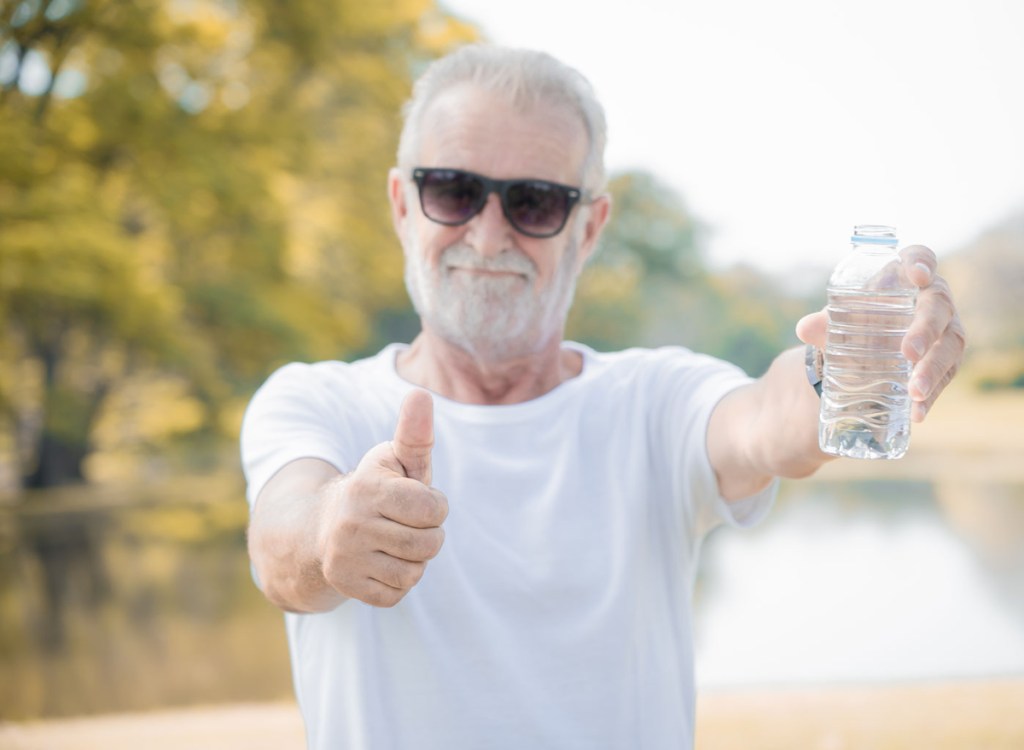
486	377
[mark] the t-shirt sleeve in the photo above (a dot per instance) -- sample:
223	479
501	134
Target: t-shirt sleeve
291	417
693	385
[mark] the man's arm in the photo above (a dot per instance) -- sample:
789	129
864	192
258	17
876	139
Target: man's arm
317	537
766	429
770	428
283	533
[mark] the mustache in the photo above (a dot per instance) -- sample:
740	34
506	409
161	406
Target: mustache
509	261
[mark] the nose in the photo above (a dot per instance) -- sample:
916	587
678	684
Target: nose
489	232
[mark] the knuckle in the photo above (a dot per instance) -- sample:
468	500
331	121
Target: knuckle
347	528
442	507
956	328
424	547
401	502
394	574
360	486
434	542
382	594
418	505
945	295
407	546
411	574
379	598
402	574
419	546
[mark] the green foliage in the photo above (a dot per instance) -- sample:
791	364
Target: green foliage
649	285
649	236
193	188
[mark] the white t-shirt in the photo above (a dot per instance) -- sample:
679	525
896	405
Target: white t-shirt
557	614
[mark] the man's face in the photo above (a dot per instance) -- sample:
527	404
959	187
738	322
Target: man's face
482	285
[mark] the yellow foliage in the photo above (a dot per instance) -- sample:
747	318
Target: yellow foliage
211	204
111	467
172	524
147	409
608	285
82	132
230	416
441	33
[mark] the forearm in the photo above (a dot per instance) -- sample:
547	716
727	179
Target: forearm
283	543
784	432
766	429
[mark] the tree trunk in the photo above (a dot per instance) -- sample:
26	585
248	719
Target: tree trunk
58	462
60	452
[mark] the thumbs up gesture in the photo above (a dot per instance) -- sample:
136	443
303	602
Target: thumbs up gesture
414	436
383	522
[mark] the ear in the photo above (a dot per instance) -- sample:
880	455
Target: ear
399	204
597	216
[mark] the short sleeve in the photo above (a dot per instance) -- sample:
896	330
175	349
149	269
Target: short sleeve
691	385
290	418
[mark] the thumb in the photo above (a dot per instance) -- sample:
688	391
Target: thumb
414	435
811	328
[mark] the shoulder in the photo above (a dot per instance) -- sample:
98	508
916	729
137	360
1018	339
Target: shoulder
331	392
331	405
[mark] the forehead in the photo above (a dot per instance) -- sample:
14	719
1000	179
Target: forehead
483	131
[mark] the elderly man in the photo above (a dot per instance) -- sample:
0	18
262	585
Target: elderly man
488	538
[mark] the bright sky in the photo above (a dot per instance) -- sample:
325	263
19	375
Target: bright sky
784	123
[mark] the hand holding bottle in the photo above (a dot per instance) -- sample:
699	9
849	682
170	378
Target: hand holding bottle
933	342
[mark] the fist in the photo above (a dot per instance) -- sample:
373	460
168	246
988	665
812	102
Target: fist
382	522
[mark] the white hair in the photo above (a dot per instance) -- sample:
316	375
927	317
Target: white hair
527	78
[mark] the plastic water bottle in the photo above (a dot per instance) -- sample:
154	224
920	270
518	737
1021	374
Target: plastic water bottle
865	407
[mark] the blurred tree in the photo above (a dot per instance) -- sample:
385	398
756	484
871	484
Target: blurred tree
744	316
191	187
987	278
649	285
650	241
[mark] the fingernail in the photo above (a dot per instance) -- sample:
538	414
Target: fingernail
921	410
917	344
924	269
920	385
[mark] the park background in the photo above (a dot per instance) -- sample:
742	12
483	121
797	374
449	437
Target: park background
192	193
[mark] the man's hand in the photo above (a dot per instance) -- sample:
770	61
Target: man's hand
382	523
935	340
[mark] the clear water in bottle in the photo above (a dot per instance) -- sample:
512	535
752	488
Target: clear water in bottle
865	406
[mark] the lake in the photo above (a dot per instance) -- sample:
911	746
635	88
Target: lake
121	599
867	581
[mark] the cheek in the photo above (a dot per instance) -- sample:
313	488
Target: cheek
548	258
427	243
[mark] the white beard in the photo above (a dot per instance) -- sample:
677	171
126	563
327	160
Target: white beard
491	317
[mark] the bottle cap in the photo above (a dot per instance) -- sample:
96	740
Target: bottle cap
874	234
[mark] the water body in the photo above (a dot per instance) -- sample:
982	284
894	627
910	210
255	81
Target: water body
866	581
134	601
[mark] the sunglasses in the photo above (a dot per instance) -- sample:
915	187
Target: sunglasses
536	208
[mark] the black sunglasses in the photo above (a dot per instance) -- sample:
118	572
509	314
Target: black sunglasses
536	208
